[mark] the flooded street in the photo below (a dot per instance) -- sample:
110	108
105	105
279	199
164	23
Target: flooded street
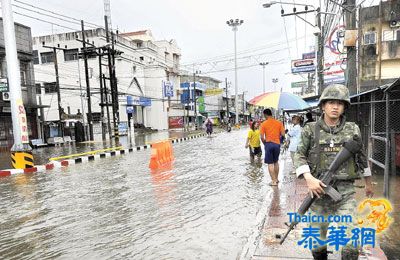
115	208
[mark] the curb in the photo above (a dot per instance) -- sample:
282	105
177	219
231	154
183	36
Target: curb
66	163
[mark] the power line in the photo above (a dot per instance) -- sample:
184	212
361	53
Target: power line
38	19
40	13
55	13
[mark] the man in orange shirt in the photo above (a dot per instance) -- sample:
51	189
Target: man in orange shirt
271	131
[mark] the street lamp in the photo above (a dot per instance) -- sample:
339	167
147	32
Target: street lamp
263	64
234	24
275	80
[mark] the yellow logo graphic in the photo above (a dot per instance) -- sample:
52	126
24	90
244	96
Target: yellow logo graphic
378	215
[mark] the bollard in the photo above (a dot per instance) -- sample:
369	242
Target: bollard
161	154
21	159
154	164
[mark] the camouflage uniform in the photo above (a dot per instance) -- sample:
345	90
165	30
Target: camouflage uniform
306	160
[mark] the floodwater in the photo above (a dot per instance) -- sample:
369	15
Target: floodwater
203	207
42	155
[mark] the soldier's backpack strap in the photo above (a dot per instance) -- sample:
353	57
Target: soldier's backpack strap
317	146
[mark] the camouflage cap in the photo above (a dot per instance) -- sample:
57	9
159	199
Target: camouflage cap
335	92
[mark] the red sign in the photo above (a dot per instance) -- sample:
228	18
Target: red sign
175	122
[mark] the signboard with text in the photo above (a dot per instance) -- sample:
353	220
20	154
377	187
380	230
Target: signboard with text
334	57
213	91
175	122
303	66
300	84
4	85
168	89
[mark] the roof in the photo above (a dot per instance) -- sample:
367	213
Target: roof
396	83
134	33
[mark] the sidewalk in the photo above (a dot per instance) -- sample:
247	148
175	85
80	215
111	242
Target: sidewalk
42	155
287	197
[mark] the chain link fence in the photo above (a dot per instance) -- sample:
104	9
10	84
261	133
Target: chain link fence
377	113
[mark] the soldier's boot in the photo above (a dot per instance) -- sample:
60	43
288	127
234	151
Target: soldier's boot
320	255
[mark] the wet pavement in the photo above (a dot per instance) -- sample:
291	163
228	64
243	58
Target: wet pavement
212	204
42	155
115	208
288	196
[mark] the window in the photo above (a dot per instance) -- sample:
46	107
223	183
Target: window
47	57
71	54
35	54
38	88
388	35
398	35
96	116
50	87
369	38
23	77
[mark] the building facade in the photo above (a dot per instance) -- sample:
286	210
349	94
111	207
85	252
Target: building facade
379	45
142	65
24	50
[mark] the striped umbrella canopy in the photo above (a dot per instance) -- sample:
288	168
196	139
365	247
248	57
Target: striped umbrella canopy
280	100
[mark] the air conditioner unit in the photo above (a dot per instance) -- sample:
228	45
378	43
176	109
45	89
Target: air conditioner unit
6	96
394	23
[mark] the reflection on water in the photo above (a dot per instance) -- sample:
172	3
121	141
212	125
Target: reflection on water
203	207
41	155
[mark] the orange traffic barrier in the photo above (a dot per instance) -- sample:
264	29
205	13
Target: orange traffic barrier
161	154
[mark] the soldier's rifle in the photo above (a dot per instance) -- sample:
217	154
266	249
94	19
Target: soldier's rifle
349	149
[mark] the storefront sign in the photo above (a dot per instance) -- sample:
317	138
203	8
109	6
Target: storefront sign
4	85
300	84
303	66
213	91
175	122
138	101
22	122
168	89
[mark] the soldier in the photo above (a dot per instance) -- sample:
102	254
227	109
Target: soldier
319	143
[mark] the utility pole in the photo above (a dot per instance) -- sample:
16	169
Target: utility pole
320	53
81	95
89	100
351	67
113	83
244	104
194	100
107	107
319	35
103	126
21	152
227	100
60	109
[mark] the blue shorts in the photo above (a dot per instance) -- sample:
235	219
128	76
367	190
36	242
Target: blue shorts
272	151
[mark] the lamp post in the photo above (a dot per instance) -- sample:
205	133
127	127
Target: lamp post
234	24
263	64
275	80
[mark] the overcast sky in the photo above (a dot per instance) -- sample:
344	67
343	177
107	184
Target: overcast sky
200	29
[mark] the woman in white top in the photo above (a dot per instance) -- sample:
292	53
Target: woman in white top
294	135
